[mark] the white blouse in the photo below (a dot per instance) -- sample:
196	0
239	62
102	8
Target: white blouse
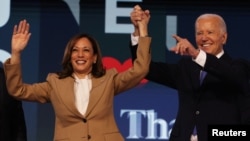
82	89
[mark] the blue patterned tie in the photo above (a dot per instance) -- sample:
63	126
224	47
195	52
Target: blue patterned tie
194	131
202	76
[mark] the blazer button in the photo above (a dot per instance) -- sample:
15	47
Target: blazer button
84	120
89	137
197	112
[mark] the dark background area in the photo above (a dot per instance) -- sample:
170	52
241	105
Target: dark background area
52	24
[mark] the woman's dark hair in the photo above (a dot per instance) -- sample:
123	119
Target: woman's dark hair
98	69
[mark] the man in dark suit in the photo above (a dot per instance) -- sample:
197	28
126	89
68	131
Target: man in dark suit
222	98
12	123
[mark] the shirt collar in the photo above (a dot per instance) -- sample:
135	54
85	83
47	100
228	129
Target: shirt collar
220	54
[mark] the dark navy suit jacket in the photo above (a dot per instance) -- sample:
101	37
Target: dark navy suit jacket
222	99
12	123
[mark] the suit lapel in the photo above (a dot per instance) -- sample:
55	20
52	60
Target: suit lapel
95	93
67	95
195	75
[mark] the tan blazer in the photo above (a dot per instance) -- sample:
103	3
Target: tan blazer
99	123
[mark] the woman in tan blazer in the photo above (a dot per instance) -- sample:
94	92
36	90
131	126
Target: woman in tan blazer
82	93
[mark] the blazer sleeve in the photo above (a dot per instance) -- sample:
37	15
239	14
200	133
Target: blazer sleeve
140	66
37	92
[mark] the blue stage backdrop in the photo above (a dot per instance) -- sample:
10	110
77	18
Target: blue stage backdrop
144	113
